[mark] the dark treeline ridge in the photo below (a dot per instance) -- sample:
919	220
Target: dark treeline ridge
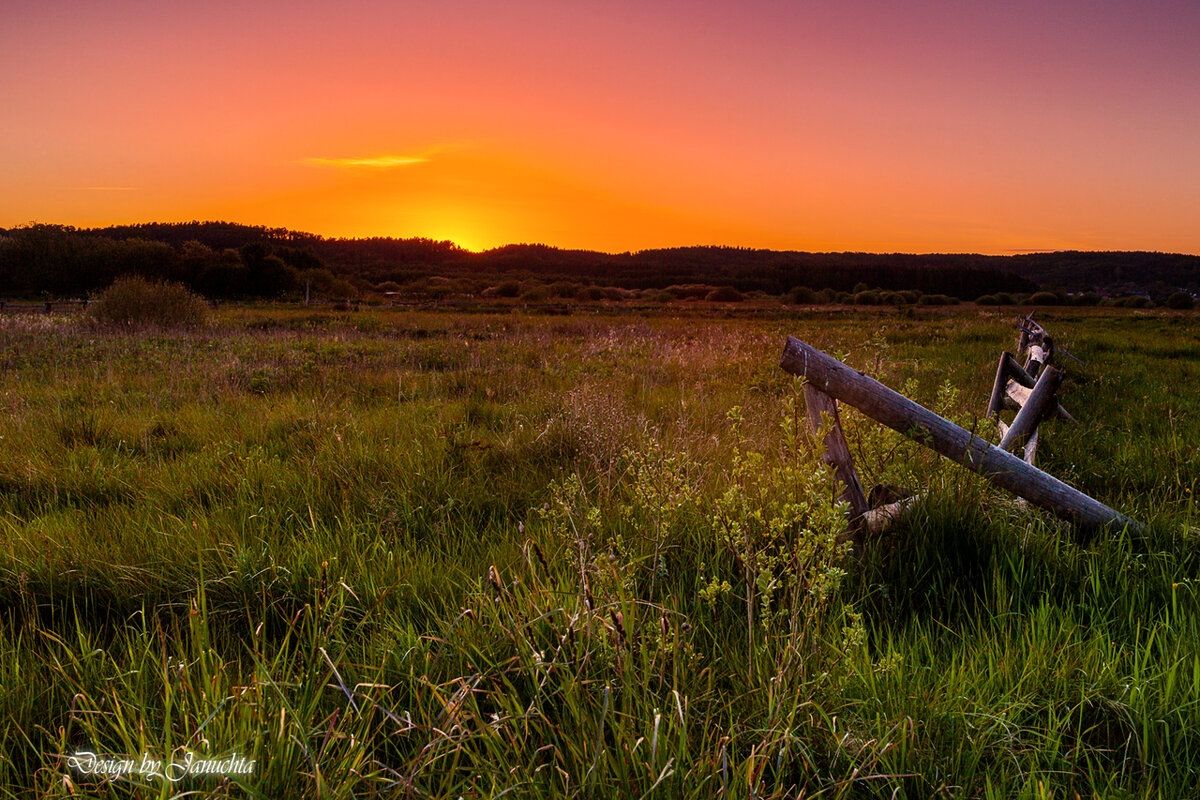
222	259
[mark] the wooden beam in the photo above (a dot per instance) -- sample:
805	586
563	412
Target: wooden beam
1040	400
823	416
996	402
1018	392
1031	447
899	413
879	519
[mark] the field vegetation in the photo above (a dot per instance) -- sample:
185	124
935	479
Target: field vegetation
419	554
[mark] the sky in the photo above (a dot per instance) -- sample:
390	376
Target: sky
927	126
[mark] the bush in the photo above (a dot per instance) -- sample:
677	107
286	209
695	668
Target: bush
1181	300
801	295
987	300
505	289
937	300
690	291
536	294
1087	299
1044	299
866	297
724	294
133	302
1137	301
590	294
660	296
1005	299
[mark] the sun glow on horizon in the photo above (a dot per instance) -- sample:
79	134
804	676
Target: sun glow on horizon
370	161
944	127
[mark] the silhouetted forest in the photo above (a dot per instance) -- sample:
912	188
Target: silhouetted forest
226	260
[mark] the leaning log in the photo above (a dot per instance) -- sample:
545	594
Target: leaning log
917	422
823	416
996	402
1035	407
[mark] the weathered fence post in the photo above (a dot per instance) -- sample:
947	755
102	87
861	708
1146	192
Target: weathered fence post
883	405
1041	400
823	416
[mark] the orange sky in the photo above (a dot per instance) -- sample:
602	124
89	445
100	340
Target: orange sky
878	126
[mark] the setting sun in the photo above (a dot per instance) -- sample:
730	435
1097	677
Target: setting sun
934	126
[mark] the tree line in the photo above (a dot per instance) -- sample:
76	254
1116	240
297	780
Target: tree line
220	259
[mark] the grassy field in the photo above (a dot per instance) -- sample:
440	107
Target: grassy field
442	555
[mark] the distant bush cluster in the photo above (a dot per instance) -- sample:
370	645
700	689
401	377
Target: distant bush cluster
134	303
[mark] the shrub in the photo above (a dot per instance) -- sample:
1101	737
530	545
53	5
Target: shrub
724	294
536	294
660	296
564	289
690	291
937	300
1087	299
505	289
589	294
1181	300
867	297
801	295
133	302
1005	299
827	296
987	300
1044	299
1137	301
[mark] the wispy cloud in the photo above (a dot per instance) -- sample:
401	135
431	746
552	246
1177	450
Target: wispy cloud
368	161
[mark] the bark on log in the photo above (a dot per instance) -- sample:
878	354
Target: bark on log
1037	357
1033	409
823	416
1031	447
879	519
901	414
996	402
1017	391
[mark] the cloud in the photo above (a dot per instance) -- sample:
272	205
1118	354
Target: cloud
105	188
368	161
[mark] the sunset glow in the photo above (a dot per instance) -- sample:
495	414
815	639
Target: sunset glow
927	126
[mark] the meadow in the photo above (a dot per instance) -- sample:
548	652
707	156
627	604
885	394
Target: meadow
420	554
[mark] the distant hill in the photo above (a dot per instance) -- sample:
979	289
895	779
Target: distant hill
221	258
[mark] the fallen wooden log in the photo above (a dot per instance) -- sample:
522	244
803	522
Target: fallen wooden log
917	422
880	518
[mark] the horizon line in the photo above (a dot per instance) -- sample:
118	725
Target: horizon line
1002	253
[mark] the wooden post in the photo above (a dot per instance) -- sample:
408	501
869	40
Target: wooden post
1040	399
996	402
1031	447
823	416
899	413
1022	381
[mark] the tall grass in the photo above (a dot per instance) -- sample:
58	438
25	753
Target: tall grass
452	555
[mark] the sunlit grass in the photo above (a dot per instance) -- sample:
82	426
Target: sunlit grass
439	555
